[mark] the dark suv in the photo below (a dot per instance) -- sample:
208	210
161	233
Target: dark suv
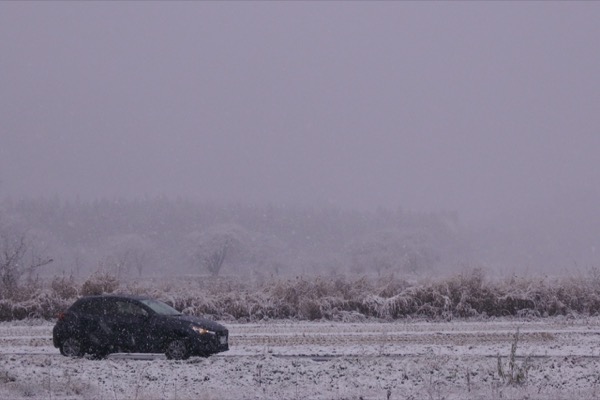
100	325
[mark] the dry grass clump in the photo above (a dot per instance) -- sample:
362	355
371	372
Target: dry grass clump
64	287
320	298
515	373
35	300
42	305
100	283
30	299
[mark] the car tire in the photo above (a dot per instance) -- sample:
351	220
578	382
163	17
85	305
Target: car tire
177	350
71	347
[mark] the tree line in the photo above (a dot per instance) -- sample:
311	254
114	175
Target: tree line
156	236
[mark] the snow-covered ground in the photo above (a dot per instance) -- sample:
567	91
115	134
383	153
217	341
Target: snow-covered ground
559	358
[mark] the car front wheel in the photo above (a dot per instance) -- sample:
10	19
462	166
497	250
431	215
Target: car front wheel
71	347
177	350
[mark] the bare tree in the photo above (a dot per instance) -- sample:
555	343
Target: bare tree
17	258
221	242
128	253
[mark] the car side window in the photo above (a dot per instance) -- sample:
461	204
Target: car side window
90	307
125	308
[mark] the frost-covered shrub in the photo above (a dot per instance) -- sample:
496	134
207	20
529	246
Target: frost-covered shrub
5	310
64	287
392	287
42	305
310	310
465	295
100	283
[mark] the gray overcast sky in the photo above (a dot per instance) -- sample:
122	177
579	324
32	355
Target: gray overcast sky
482	108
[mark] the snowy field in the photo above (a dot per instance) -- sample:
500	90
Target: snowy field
558	358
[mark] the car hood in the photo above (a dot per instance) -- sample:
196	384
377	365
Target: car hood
201	322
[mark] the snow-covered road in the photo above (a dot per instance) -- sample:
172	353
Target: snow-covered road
323	360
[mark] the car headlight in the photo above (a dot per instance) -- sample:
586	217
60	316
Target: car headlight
202	331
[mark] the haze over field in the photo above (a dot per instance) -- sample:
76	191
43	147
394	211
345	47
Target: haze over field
489	110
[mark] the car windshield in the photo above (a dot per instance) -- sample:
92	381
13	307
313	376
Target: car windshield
160	307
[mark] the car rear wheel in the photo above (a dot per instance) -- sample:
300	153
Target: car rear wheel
177	350
71	347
